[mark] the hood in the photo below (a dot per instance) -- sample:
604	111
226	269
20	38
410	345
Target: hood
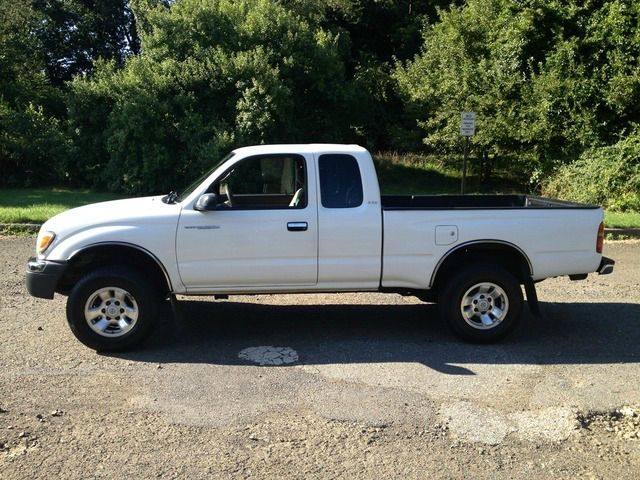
132	211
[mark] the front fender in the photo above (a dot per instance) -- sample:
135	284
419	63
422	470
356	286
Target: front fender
157	240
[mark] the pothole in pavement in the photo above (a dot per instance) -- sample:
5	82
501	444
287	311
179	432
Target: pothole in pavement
481	424
268	355
624	421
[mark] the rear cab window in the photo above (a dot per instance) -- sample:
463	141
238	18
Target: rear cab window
340	181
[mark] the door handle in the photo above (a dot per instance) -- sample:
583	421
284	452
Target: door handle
297	226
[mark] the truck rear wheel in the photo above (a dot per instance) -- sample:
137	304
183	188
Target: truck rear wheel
482	303
111	309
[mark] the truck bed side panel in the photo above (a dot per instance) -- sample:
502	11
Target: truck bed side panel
556	241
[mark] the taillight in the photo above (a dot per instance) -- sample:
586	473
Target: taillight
600	240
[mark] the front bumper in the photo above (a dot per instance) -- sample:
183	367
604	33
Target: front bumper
43	277
606	266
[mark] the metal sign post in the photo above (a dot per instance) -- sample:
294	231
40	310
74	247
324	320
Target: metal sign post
467	129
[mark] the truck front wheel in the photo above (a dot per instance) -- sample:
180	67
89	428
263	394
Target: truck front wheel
482	303
111	309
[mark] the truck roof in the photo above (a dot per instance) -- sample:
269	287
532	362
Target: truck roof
299	148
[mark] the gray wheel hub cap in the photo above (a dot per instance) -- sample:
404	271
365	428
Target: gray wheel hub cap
111	311
484	306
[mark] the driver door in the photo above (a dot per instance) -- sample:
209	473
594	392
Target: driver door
262	233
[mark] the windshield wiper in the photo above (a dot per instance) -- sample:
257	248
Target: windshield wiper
171	197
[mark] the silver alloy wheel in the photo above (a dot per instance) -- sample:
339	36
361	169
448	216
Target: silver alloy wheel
111	311
484	306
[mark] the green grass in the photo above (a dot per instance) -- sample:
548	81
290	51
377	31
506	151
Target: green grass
36	205
16	230
622	219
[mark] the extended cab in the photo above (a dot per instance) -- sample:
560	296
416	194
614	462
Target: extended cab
308	218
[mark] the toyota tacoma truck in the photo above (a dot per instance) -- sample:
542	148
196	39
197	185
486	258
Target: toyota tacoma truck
308	218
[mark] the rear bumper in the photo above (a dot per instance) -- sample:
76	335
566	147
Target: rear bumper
606	266
43	277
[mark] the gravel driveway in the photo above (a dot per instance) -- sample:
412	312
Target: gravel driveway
326	386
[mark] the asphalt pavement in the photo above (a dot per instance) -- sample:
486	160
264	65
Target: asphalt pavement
326	386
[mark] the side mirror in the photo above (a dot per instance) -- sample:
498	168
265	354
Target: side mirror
208	201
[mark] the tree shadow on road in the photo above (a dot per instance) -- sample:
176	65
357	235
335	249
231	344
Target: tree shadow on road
214	333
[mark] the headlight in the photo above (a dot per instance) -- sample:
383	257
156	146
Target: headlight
45	239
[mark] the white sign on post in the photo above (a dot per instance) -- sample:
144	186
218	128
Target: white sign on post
468	124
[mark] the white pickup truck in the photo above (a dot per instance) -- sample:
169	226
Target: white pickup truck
308	218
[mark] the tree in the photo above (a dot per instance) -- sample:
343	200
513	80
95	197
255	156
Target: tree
31	138
210	75
75	33
547	79
474	59
380	33
586	92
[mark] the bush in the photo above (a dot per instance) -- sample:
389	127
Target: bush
211	76
33	147
607	176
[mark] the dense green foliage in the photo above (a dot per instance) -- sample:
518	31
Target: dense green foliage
608	176
74	33
32	143
142	95
43	44
547	79
209	78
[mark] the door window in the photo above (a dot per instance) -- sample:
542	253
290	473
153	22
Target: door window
264	182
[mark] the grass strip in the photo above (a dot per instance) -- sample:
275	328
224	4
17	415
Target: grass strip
36	205
622	219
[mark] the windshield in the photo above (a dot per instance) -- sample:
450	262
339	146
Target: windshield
187	191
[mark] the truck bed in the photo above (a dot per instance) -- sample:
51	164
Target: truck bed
470	202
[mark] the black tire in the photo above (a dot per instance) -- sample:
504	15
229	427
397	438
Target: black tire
141	295
474	324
